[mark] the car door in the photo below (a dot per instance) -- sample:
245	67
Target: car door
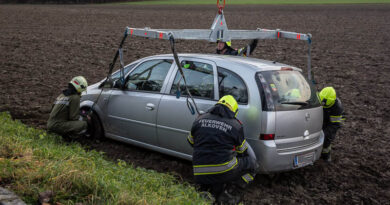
174	120
107	87
132	111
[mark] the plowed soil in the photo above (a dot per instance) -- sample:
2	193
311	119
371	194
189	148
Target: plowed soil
42	47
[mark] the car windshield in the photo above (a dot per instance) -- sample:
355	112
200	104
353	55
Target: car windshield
287	90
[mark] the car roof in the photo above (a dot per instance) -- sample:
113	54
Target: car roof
248	62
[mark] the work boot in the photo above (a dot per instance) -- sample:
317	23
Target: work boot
326	157
69	138
228	198
208	196
83	133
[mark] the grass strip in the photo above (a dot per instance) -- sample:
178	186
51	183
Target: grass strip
33	161
262	2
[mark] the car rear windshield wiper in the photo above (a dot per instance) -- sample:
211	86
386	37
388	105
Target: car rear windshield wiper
295	103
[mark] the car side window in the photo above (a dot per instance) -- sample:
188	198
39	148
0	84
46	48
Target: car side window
231	84
117	74
149	75
199	77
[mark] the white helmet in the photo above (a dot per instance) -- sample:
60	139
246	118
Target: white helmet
79	83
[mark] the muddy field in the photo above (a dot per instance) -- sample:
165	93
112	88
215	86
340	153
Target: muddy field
42	47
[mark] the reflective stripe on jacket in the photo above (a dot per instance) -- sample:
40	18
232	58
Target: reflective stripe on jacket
333	118
215	169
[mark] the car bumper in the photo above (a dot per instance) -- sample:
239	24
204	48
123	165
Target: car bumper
271	160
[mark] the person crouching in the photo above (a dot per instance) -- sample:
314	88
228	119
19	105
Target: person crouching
65	118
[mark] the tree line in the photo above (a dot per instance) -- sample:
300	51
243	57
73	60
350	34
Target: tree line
61	1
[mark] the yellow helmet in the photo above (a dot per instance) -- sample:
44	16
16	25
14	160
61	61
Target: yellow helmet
328	97
79	83
229	102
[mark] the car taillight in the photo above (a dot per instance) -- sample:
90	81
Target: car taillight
267	136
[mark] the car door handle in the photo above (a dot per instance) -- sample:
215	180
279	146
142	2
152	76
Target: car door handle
150	106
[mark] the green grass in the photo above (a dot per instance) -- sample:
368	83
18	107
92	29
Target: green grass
32	161
243	2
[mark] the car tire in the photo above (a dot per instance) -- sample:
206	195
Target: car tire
96	129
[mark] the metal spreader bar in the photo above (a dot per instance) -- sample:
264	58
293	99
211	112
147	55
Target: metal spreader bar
220	31
217	31
214	35
187	34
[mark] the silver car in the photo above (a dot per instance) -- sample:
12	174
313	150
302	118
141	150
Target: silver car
278	107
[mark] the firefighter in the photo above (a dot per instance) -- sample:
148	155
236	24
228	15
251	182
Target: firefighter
65	116
225	48
333	116
223	161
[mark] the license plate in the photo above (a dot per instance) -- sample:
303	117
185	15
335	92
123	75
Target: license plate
304	159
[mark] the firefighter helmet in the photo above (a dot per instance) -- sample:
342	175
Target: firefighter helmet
229	102
328	97
79	83
228	43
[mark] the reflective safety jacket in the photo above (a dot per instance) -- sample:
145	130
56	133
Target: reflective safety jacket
217	137
242	51
333	118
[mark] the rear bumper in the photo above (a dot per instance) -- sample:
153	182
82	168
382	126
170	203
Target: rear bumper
271	160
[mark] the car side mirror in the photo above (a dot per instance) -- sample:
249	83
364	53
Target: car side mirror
116	84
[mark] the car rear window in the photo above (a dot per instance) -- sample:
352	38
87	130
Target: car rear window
231	84
286	90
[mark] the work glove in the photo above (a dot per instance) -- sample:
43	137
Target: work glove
86	116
